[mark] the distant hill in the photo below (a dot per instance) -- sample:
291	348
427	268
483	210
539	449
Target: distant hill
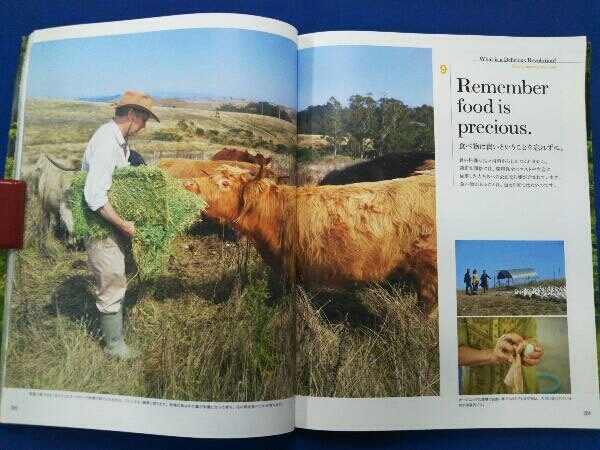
198	101
103	99
204	103
157	96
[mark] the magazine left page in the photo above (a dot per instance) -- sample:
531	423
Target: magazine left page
128	309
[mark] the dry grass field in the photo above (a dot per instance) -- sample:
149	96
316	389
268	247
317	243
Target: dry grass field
204	331
218	324
501	301
311	140
62	128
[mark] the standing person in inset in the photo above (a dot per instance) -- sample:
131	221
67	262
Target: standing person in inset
467	280
484	281
475	280
106	151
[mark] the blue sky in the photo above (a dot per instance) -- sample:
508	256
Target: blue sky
547	258
344	70
235	63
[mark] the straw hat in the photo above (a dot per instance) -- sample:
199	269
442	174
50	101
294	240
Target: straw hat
138	100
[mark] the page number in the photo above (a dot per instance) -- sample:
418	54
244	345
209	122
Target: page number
587	413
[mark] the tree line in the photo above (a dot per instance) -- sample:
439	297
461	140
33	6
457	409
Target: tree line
260	108
370	127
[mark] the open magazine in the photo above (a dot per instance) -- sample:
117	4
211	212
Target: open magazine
410	250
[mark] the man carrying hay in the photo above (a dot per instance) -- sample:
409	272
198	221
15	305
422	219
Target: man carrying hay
106	151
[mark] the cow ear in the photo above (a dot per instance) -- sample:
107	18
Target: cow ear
191	186
268	160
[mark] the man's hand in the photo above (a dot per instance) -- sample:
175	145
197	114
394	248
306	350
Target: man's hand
503	351
505	347
128	228
535	357
108	213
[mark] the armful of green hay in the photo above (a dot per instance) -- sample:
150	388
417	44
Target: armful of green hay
160	207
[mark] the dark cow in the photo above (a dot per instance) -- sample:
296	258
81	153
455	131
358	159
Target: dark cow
136	159
387	167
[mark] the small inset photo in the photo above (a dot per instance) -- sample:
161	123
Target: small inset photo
510	278
513	355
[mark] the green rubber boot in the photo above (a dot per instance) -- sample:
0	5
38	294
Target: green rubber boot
111	326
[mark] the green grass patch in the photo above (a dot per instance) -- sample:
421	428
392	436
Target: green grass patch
167	136
9	167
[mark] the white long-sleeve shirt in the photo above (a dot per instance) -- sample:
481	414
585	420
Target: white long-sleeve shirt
105	151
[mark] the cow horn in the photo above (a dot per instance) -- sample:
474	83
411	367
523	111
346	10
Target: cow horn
60	166
259	175
208	174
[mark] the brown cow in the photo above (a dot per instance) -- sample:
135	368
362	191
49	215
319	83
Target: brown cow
185	169
233	154
363	232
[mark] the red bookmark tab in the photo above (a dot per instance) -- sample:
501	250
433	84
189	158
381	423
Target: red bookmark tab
12	213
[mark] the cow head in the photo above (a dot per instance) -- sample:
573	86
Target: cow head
222	190
260	159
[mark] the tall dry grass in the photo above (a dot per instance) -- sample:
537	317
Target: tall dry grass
209	329
388	349
216	327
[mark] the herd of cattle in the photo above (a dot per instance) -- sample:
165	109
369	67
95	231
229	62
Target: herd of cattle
369	222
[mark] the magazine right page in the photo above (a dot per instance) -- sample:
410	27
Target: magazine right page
446	274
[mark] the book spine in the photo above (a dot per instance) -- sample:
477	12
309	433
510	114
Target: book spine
12	213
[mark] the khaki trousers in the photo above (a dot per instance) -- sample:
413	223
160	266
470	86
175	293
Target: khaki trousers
106	260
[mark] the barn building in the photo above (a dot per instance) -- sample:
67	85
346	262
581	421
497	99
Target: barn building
517	276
